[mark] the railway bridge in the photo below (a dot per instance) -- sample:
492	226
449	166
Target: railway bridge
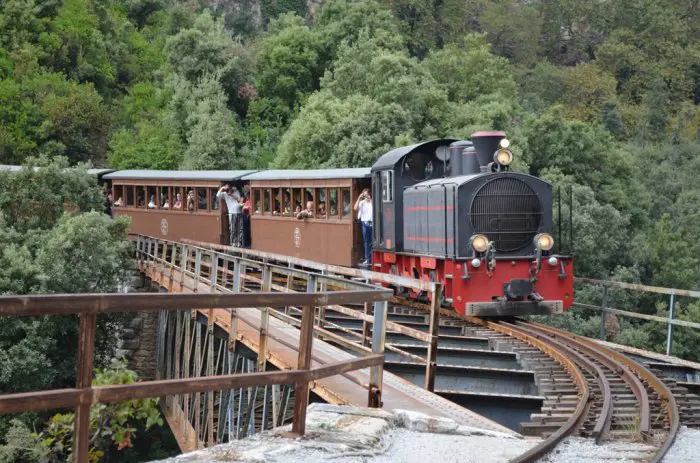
244	340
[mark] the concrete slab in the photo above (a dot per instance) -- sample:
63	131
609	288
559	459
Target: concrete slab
351	434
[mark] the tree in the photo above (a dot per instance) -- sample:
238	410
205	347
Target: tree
657	112
207	49
289	61
611	119
150	145
341	22
48	250
419	23
110	425
206	127
587	89
513	30
390	78
347	132
469	70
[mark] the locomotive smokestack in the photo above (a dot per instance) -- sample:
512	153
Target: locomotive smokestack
486	144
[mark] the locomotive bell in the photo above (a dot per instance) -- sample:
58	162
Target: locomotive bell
486	143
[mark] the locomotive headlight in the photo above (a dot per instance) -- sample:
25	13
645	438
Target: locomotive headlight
480	243
544	242
476	263
503	156
504	143
553	261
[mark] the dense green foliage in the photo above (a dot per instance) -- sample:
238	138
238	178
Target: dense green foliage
57	239
111	426
600	94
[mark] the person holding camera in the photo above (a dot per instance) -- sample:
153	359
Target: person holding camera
363	207
233	203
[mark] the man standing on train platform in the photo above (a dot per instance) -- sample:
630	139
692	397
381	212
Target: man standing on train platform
233	204
363	206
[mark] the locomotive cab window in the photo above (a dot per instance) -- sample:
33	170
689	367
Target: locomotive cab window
388	186
418	166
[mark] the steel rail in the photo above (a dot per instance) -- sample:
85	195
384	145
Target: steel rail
665	394
603	422
576	419
603	357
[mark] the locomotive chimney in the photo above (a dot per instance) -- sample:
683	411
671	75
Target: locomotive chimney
486	144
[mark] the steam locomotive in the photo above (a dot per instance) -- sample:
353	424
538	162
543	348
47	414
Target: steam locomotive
450	211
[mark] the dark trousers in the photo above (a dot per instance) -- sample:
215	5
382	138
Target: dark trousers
367	239
236	230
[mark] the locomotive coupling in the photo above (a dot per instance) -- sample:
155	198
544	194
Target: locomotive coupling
518	288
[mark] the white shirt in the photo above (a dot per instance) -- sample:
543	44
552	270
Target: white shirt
234	207
364	212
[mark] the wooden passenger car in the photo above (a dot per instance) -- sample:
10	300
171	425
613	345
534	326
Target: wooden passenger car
135	189
332	237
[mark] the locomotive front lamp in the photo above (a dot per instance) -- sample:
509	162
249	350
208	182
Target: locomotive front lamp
544	242
504	143
476	263
503	156
480	243
553	261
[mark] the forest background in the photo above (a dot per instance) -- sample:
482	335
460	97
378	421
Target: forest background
602	95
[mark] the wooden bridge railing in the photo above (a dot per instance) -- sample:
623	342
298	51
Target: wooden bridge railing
225	268
672	293
88	306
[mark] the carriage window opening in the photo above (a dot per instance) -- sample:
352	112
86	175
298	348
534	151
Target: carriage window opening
151	200
345	195
202	199
190	200
130	196
309	196
256	201
333	202
285	201
140	196
214	200
388	186
165	201
266	193
321	203
178	198
297	202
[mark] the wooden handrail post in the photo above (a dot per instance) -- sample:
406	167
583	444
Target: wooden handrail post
434	331
301	394
86	358
232	311
365	325
264	319
669	334
378	337
197	268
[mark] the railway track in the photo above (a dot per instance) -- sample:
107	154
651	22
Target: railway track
584	389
